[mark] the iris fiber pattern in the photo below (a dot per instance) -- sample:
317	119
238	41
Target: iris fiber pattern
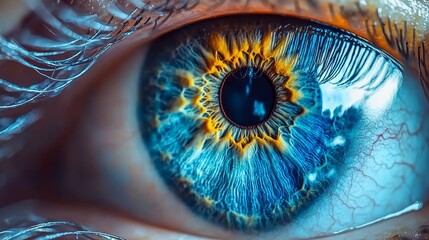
254	178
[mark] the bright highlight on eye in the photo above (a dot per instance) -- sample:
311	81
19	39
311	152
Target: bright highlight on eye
250	119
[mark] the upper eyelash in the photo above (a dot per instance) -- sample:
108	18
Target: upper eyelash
397	37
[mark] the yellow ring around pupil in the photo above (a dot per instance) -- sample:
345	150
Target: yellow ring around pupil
220	58
246	178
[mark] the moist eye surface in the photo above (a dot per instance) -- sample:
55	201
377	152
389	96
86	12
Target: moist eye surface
232	112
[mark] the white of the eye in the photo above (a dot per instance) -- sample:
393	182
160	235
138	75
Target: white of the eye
383	98
383	178
353	96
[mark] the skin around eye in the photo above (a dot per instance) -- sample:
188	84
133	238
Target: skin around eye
119	225
112	135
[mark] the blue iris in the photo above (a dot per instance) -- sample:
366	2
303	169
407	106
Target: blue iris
250	178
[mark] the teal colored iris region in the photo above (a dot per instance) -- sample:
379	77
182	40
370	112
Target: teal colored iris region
243	179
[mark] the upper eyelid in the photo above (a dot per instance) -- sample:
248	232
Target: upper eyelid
127	18
120	22
395	18
410	51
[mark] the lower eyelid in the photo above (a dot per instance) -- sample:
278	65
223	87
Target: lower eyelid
91	218
117	224
388	229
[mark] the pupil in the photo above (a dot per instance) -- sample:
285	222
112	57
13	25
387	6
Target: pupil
247	96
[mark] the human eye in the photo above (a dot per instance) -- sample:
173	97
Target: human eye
353	79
